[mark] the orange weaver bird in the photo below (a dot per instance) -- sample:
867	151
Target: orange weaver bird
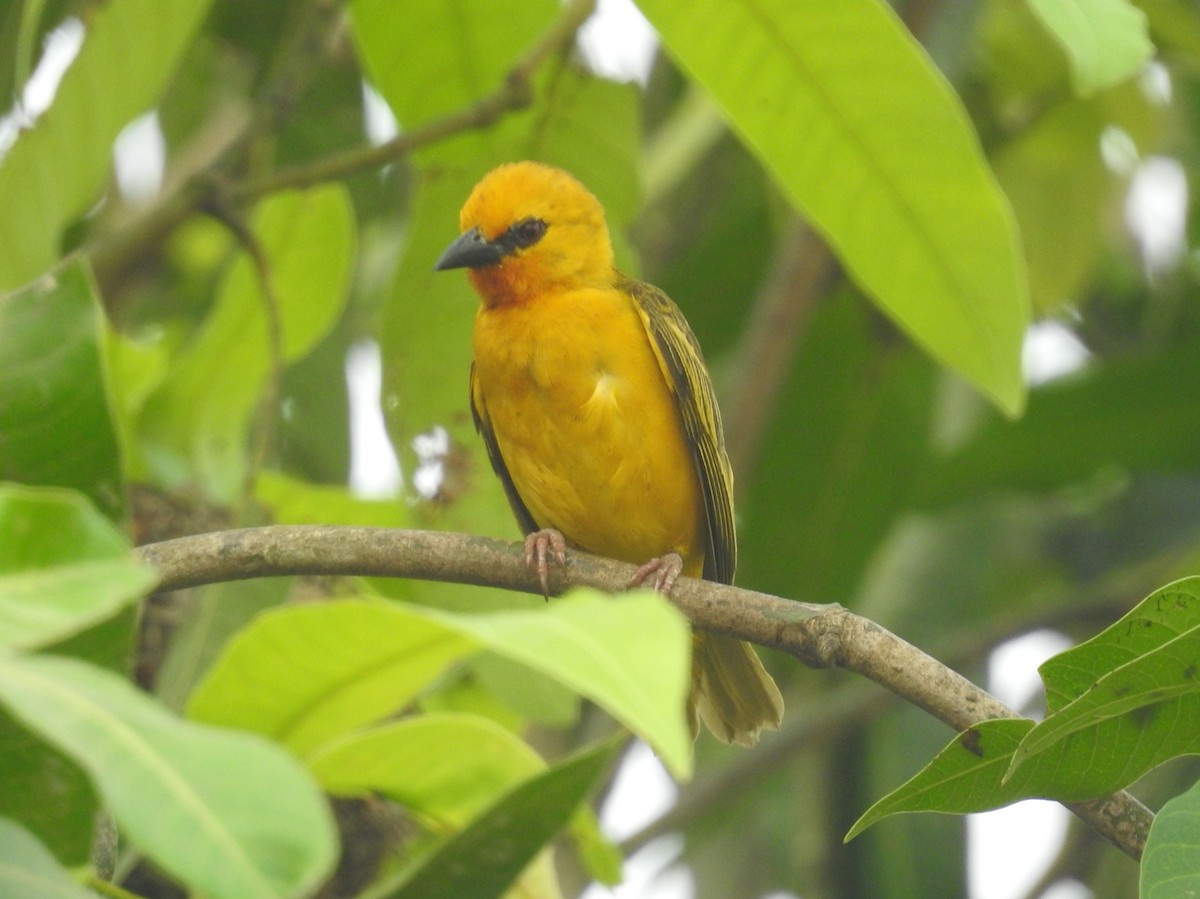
598	413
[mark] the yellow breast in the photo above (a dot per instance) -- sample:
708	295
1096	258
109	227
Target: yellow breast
586	425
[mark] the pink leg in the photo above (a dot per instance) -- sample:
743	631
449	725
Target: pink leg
540	547
659	573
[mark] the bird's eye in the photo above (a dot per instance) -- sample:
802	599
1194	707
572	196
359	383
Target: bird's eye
527	232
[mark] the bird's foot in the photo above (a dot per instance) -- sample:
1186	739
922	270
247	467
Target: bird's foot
659	573
542	547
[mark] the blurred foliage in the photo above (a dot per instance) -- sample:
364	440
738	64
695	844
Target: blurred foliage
858	206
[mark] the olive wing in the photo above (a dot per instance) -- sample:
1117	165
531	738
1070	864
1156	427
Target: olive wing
484	427
683	366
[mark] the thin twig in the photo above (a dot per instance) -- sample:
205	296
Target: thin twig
821	636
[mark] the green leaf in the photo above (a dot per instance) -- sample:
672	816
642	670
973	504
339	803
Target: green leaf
1171	863
485	858
63	567
1106	41
54	412
866	137
445	768
31	769
197	421
1059	188
304	675
211	616
630	654
227	813
966	776
55	171
1117	706
308	674
535	697
1133	689
29	871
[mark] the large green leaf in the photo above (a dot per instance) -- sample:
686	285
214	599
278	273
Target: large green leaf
29	871
1117	706
196	424
211	616
1171	863
444	767
864	135
63	567
966	776
54	412
307	675
1059	188
227	813
1105	40
485	858
630	654
31	769
1133	688
56	170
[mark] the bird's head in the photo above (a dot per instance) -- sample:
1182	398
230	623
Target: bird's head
529	229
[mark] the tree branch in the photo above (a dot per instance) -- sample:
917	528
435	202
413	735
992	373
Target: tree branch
821	636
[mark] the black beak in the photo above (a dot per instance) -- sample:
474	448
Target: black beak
471	250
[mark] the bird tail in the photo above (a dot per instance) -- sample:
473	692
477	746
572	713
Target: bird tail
731	691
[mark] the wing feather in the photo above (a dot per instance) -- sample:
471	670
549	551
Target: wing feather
682	365
484	426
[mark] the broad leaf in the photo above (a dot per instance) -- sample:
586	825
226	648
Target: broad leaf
63	567
866	137
1171	863
211	616
966	776
1134	689
55	171
29	871
1105	40
54	413
227	813
308	674
305	675
445	768
1117	706
630	654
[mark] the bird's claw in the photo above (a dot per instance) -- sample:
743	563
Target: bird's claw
659	573
540	548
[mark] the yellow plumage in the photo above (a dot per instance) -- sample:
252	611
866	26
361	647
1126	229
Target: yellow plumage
597	410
